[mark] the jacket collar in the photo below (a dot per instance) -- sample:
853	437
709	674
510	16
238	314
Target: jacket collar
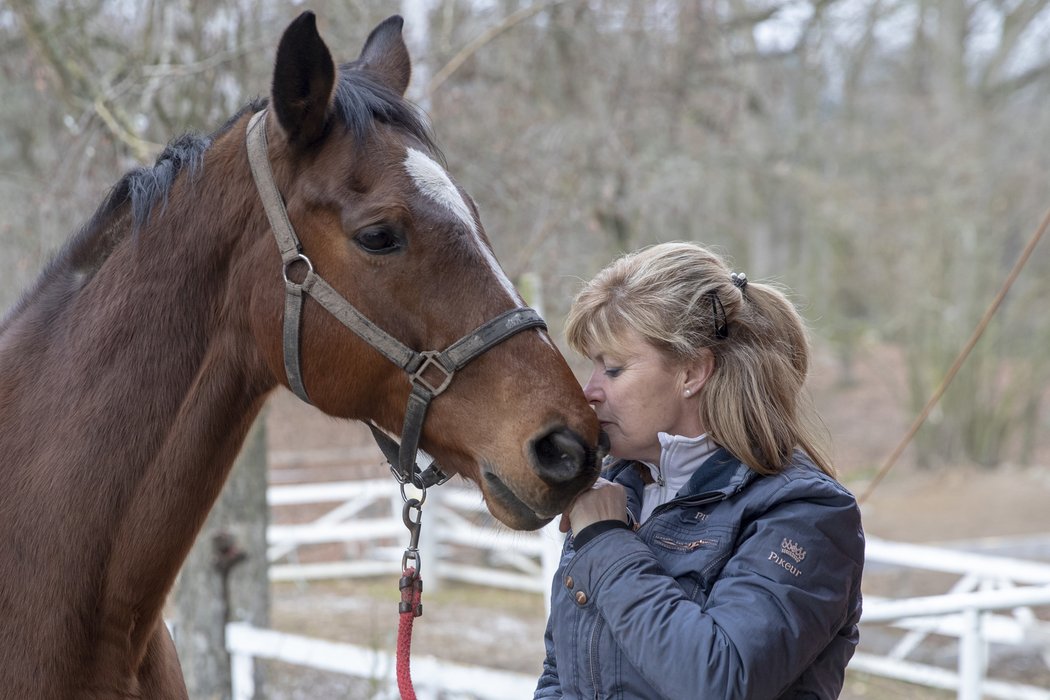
720	476
720	473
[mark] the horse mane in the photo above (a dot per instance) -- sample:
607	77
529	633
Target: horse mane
137	193
360	100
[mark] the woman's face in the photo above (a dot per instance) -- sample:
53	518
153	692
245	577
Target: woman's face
637	393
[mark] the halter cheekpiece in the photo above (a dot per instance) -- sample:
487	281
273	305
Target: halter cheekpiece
429	372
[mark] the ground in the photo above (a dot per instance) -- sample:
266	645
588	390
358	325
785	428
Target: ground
487	627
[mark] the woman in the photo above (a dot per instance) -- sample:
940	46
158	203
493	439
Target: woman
718	557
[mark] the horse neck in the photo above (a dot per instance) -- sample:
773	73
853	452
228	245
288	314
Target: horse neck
126	405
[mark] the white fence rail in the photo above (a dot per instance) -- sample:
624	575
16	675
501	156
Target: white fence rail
367	515
992	602
431	677
967	612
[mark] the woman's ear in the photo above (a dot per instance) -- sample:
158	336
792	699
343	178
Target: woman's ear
697	372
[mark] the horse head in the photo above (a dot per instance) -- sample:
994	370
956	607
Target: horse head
380	224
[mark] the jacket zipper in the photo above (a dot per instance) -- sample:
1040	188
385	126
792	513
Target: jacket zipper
595	676
683	546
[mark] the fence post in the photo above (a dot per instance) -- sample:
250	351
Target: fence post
971	656
429	541
242	676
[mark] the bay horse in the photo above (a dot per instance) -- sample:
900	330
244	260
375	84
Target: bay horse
132	369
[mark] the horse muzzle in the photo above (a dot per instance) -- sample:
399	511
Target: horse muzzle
563	465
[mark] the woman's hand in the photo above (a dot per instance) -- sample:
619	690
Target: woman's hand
603	501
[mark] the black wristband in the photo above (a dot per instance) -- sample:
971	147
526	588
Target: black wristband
594	529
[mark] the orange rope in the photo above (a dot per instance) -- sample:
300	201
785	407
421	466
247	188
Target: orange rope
959	360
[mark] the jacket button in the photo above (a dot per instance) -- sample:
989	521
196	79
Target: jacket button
581	598
568	581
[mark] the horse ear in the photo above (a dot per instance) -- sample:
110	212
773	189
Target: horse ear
386	55
303	81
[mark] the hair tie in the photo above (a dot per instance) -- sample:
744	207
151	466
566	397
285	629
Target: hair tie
739	280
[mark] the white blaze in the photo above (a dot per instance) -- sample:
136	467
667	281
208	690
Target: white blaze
434	183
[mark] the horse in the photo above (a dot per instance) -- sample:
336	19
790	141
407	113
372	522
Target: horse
132	369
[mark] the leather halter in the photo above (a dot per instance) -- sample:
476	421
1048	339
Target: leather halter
444	363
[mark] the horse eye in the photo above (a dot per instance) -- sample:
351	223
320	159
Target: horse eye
378	240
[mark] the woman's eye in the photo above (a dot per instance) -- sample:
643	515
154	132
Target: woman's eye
613	372
378	240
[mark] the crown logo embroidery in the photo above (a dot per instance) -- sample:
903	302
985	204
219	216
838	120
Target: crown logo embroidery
793	550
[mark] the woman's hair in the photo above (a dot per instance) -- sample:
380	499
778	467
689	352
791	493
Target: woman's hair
684	300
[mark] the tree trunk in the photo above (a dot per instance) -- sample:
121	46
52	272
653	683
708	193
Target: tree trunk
225	577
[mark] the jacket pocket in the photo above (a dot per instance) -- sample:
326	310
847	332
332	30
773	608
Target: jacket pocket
695	554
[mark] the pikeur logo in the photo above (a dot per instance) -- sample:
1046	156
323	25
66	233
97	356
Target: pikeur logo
793	550
790	549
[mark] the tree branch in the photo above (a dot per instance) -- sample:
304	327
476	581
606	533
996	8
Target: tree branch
472	47
77	90
1004	88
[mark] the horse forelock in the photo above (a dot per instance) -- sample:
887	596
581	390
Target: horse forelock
361	100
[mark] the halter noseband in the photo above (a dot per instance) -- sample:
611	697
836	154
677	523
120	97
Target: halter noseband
444	363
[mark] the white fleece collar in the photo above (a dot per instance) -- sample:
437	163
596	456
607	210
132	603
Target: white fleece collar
679	459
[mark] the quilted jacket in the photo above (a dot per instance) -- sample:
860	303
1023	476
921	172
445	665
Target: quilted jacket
742	586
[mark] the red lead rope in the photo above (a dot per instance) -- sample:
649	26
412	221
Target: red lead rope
409	609
411	586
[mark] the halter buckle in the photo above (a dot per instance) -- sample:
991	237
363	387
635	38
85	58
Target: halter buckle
431	359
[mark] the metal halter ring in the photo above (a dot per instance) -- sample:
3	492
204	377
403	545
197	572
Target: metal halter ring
405	498
291	261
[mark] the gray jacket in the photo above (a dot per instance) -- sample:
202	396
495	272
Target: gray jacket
743	586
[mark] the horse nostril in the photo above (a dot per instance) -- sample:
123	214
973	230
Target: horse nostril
561	456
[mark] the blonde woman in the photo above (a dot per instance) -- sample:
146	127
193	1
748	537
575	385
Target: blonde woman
718	557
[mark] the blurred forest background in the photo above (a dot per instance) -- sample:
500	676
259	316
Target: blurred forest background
886	159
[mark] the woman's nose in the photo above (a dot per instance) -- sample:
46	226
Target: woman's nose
592	390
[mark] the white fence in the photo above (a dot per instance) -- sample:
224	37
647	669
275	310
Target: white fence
364	518
458	544
431	677
458	541
971	611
